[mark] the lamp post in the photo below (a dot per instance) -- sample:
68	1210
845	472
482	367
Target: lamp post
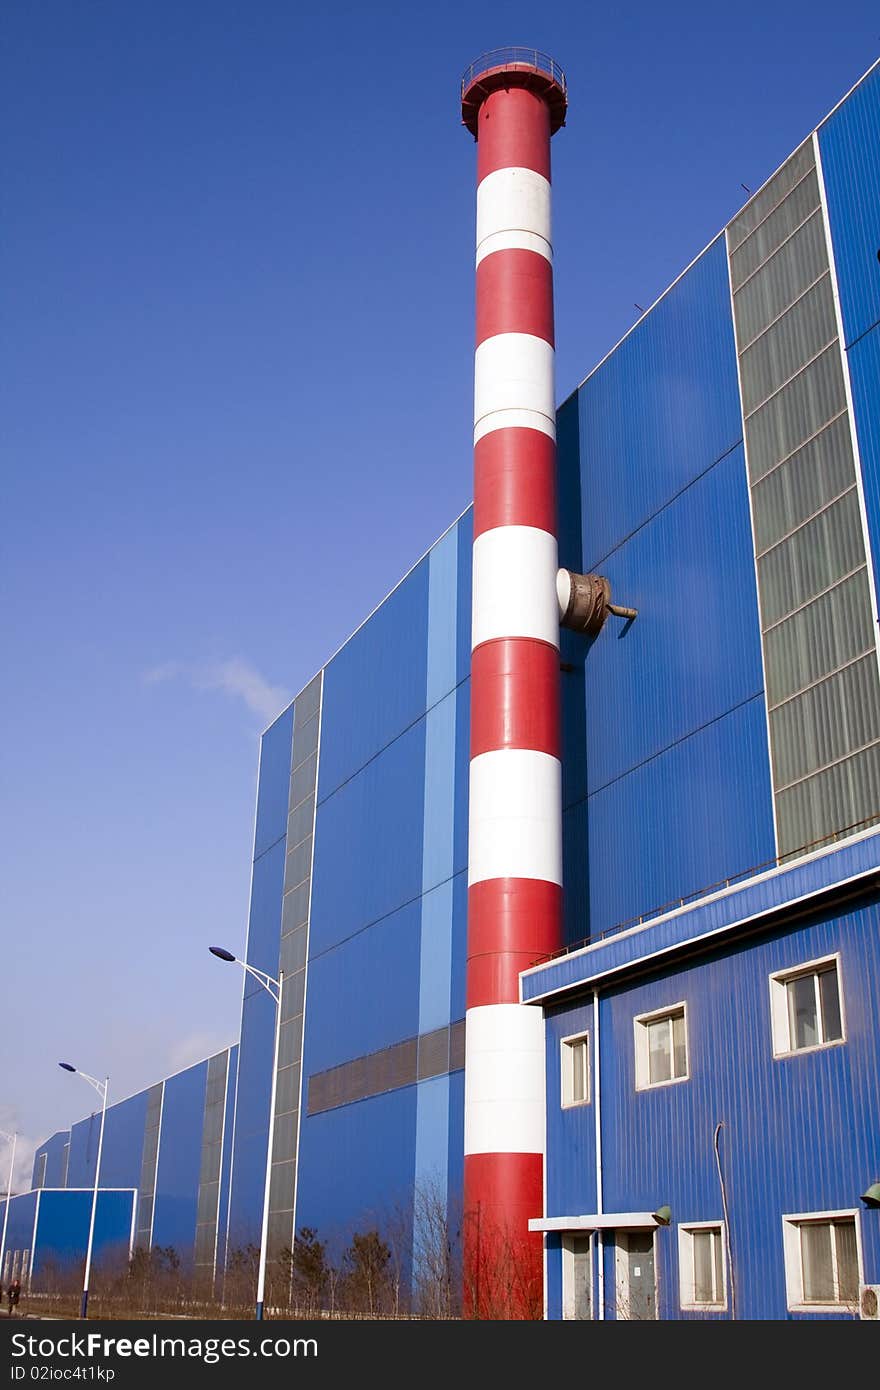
102	1088
270	985
13	1138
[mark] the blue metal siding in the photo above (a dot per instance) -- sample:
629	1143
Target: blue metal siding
274	784
63	1227
694	652
374	688
571	1156
849	143
253	1087
661	409
664	715
682	822
20	1226
53	1148
372	983
180	1152
800	1135
264	921
357	1165
368	839
84	1151
124	1142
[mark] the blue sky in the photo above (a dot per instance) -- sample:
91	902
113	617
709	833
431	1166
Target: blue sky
238	302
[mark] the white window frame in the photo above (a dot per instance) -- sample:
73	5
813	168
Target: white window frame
686	1232
640	1036
566	1070
568	1258
779	1017
794	1276
41	1171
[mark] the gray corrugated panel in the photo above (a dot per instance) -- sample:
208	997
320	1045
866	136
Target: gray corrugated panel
822	684
777	285
294	995
762	205
802	332
294	945
813	559
302	780
305	741
295	907
298	864
307	702
776	229
826	722
299	822
287	1089
832	630
433	1053
797	412
803	484
840	796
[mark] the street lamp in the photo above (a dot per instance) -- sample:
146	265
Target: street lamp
102	1088
13	1138
270	985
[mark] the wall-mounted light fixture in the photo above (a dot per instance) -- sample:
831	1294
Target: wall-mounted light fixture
663	1216
871	1198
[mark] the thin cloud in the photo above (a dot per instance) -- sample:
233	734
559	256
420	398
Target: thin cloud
235	678
25	1149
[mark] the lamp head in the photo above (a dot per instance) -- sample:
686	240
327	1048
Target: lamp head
871	1198
65	1066
221	953
663	1216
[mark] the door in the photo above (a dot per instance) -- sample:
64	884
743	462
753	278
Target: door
636	1282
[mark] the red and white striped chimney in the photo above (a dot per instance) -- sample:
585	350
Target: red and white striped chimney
512	102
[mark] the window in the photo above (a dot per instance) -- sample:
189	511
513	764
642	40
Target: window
577	1277
661	1047
41	1170
805	1005
702	1265
576	1070
822	1260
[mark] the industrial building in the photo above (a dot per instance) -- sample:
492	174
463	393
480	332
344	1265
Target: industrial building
652	891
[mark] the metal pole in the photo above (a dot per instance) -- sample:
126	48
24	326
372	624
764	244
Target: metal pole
261	1278
83	1312
14	1138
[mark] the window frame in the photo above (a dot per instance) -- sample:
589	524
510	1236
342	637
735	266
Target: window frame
780	1025
566	1074
686	1231
568	1258
794	1273
641	1022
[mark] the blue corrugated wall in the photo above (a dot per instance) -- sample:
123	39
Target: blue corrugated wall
387	934
849	142
666	775
800	1134
180	1152
254	1066
53	1148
